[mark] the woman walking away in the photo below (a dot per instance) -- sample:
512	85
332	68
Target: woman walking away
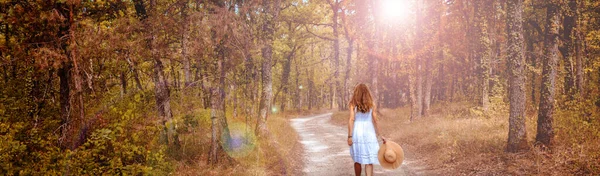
363	130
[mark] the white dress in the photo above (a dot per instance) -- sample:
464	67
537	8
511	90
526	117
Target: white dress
364	146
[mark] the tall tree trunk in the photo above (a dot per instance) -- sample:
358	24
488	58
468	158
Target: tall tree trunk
433	11
482	48
271	12
545	132
345	90
580	54
184	45
220	130
161	86
568	49
65	100
428	83
285	76
416	82
517	133
311	89
531	58
337	95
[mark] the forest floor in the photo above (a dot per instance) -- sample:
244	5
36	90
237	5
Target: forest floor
455	139
459	139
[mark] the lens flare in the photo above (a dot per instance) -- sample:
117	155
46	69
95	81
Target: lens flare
241	141
395	9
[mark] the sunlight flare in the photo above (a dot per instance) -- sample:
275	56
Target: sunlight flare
395	9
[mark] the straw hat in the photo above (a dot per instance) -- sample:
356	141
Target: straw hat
390	155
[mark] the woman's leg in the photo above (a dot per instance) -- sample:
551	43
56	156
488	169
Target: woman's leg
357	169
369	169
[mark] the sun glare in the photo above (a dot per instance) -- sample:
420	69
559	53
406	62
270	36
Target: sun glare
395	9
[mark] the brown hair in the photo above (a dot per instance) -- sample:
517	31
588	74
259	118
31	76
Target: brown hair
362	98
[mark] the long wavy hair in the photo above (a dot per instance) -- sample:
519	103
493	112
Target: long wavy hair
362	98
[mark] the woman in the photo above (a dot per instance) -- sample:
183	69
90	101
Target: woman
363	130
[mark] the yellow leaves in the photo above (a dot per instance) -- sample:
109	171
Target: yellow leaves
75	2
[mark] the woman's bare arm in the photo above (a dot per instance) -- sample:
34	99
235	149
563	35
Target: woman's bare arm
350	124
351	121
375	124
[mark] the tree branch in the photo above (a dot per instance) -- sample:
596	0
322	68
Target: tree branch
321	37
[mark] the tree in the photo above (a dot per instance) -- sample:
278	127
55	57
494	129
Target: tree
517	134
571	55
482	51
416	78
270	14
545	131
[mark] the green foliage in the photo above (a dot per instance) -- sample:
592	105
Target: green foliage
126	144
114	151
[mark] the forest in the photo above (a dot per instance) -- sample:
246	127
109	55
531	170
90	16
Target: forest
209	87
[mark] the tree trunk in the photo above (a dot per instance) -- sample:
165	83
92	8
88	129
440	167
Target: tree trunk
123	83
416	82
579	56
285	76
184	45
337	95
568	48
65	100
271	12
517	133
482	48
579	46
345	90
220	137
545	132
311	90
531	58
428	83
161	86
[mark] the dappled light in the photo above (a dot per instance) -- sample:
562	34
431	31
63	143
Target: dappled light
299	87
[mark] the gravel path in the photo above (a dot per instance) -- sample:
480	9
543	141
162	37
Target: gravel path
326	150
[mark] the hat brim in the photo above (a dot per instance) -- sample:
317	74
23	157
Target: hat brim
394	147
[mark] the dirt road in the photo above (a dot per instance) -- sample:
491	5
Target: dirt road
327	152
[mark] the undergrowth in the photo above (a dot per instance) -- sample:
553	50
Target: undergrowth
461	138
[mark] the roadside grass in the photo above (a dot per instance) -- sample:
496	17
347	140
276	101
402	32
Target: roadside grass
280	153
459	138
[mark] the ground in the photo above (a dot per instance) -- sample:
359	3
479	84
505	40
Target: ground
327	152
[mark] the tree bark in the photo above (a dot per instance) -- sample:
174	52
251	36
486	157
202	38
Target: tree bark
184	45
580	54
220	135
531	58
483	49
337	94
416	82
345	90
517	133
271	11
285	76
65	100
545	131
123	83
568	48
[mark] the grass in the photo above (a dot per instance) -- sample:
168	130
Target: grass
279	154
459	138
